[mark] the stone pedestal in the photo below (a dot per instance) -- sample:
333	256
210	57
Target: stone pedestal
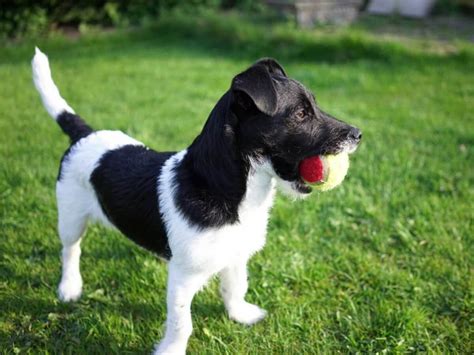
409	8
309	12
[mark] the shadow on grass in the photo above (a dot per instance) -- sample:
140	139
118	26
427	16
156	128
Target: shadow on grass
46	323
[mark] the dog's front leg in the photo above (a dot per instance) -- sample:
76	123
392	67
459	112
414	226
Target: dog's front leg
182	286
234	286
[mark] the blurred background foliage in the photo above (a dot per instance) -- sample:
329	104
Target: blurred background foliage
22	18
28	17
454	7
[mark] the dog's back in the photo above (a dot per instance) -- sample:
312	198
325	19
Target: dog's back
126	185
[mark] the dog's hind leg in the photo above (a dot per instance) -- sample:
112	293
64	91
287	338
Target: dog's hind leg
72	221
234	286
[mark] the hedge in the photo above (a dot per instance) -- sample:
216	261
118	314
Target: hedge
31	17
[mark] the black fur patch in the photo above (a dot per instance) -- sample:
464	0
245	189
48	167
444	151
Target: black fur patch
265	114
74	126
211	179
126	184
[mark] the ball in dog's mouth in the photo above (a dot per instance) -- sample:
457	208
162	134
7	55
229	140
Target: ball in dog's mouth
324	172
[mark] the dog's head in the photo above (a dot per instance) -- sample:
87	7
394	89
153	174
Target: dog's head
278	119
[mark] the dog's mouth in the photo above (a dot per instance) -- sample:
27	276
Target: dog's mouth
313	170
296	181
292	180
302	187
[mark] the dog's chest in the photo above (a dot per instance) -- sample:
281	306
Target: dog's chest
219	247
241	240
212	249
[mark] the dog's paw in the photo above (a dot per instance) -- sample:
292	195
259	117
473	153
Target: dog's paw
70	290
165	348
246	313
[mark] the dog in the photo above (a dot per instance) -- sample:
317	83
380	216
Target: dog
203	209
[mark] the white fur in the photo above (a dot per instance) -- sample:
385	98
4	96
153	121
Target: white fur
240	240
199	254
52	100
77	202
234	286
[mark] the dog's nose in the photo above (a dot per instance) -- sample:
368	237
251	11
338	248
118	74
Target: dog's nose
355	134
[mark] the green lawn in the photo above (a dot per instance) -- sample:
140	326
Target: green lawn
382	264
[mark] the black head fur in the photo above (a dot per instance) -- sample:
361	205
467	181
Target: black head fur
264	115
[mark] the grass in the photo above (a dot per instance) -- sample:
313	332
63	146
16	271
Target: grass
382	264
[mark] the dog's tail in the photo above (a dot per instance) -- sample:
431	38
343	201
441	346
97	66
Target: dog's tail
71	124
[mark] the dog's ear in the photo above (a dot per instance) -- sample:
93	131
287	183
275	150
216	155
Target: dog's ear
272	66
256	84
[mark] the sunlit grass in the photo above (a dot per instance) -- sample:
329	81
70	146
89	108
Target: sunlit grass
382	263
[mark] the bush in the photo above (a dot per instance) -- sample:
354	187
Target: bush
27	17
454	6
22	20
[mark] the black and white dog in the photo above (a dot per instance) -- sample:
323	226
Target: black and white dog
204	209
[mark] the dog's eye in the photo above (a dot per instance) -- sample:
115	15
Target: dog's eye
301	114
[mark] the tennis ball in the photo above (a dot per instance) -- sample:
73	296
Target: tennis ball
325	172
311	169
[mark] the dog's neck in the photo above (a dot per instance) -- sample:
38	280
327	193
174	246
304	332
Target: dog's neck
213	175
260	187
